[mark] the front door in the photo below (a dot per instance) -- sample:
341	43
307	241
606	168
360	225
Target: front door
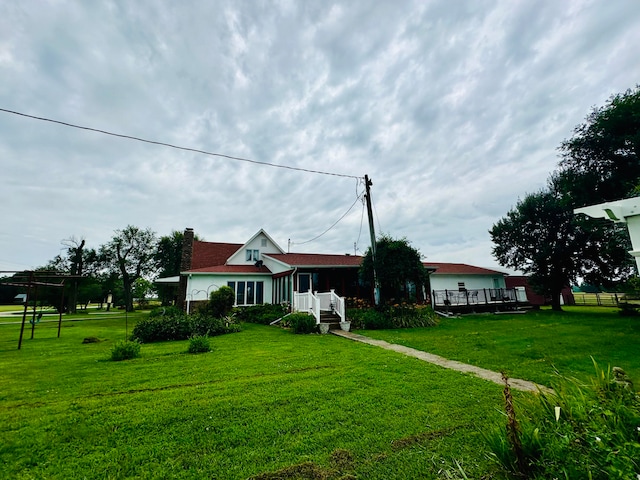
304	282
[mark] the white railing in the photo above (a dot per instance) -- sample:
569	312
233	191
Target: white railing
307	302
313	304
331	302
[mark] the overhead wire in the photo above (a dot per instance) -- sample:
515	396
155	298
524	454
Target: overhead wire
358	197
178	147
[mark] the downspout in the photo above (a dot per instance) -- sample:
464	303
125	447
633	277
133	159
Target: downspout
293	282
187	294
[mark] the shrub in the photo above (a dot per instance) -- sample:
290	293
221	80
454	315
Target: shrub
221	302
167	327
180	326
392	316
211	326
263	314
125	350
302	323
576	431
368	319
199	344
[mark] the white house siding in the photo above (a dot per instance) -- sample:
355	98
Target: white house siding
471	282
198	285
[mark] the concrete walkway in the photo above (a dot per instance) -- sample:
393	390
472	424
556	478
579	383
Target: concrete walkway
483	373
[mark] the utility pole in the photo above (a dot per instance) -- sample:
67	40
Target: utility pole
372	232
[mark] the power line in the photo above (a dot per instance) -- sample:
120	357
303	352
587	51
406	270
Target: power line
188	149
335	223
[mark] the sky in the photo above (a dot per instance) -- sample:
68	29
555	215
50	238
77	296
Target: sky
454	109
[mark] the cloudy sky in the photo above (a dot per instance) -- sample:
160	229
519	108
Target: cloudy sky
455	109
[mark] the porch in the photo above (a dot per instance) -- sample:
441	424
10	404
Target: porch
320	305
480	299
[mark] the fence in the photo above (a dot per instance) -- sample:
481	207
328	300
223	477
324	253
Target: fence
598	299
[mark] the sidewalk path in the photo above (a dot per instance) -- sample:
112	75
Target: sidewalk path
483	373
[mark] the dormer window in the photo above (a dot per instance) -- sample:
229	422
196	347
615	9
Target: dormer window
252	255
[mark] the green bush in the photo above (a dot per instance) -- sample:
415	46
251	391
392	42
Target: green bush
175	326
199	344
302	323
392	316
220	302
263	314
125	350
180	326
368	319
577	431
212	326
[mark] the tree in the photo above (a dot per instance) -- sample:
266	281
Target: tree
397	266
142	289
130	253
537	238
601	161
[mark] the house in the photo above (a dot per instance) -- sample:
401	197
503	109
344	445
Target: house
462	285
260	271
535	299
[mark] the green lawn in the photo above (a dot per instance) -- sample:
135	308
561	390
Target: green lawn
534	345
264	400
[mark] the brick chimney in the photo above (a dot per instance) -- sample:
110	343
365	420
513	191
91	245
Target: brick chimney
185	264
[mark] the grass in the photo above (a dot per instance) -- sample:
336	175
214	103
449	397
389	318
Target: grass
532	346
270	404
264	404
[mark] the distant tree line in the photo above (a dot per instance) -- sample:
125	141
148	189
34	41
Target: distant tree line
542	237
123	268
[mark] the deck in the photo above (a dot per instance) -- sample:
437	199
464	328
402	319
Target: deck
479	300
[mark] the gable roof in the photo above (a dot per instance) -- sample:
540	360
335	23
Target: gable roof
209	254
459	269
258	233
316	259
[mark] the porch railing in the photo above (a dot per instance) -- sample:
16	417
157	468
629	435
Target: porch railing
484	296
307	302
331	302
314	303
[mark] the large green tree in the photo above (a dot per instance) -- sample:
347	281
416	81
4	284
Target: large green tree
537	238
397	266
543	238
130	253
601	161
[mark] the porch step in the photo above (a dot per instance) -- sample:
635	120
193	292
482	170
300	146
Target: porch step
332	319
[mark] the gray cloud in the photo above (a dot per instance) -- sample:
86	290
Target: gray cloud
454	109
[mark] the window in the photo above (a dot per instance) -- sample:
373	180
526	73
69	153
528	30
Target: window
496	283
248	293
263	242
259	292
461	287
252	255
240	293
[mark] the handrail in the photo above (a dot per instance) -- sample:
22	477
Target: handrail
314	303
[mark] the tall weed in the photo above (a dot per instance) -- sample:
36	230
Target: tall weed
579	430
